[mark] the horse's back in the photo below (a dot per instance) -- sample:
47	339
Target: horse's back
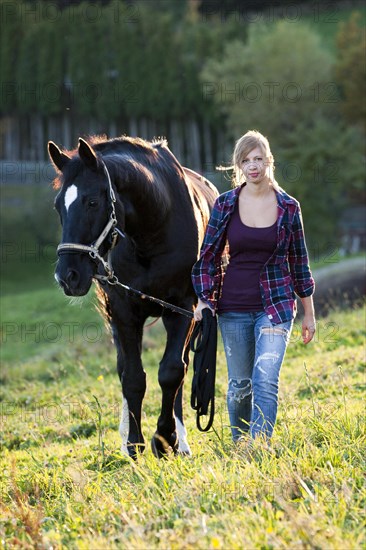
202	186
204	195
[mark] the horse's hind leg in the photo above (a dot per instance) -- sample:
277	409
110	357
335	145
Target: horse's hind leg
171	374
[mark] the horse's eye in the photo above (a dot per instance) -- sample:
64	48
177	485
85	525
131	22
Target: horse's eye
93	203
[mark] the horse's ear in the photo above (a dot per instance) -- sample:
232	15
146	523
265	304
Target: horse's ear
58	158
87	155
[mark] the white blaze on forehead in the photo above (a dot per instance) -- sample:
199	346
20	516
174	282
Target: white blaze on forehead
70	196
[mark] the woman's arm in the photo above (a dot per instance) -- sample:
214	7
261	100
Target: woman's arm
302	277
298	259
207	268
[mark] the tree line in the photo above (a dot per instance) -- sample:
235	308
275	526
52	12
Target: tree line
185	71
105	67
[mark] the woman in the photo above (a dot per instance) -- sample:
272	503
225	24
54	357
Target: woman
254	296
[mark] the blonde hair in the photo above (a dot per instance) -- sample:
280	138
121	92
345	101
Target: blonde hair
243	147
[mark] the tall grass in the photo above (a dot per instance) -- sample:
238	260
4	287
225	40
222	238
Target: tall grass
66	485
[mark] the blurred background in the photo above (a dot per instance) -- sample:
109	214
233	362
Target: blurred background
200	73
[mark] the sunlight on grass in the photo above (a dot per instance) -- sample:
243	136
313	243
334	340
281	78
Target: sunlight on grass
66	484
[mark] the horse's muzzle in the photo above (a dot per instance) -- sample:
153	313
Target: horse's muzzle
71	282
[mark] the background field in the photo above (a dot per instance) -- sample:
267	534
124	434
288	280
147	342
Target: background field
65	484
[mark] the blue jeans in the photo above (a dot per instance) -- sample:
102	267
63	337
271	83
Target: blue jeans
254	350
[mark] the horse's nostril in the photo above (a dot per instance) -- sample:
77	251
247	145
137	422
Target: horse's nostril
72	277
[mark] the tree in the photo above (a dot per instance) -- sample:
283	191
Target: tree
279	82
50	68
28	90
279	78
12	34
323	166
350	69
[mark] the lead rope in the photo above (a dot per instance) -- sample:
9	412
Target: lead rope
113	281
204	345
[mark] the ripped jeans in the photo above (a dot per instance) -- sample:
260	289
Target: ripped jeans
254	350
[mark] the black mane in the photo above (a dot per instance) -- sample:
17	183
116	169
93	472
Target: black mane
141	165
141	151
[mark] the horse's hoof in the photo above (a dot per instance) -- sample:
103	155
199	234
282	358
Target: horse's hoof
161	447
186	452
183	448
133	450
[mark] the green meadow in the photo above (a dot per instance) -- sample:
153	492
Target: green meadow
65	483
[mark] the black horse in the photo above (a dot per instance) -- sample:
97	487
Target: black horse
130	212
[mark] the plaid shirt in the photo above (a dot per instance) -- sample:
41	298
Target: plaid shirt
286	272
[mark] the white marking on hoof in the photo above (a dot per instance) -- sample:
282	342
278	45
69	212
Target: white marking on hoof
124	426
70	196
183	446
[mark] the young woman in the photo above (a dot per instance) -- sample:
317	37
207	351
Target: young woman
254	296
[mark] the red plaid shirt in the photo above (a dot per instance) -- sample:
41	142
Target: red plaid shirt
287	271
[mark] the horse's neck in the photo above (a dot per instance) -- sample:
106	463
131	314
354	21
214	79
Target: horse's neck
145	230
143	194
145	209
142	191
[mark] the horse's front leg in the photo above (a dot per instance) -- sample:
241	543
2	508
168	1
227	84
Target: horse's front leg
171	376
133	379
183	445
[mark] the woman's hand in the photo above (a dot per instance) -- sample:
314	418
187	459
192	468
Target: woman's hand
308	328
198	311
309	323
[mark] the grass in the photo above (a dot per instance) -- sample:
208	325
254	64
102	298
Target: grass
66	485
42	321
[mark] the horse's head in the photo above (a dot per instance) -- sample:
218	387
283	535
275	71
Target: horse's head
85	206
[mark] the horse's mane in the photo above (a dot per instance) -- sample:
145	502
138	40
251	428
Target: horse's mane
145	161
146	168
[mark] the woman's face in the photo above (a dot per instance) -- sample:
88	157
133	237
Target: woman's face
254	166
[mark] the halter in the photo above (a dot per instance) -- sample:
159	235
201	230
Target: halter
93	249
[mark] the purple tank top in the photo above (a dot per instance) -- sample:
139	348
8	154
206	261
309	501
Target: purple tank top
250	249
